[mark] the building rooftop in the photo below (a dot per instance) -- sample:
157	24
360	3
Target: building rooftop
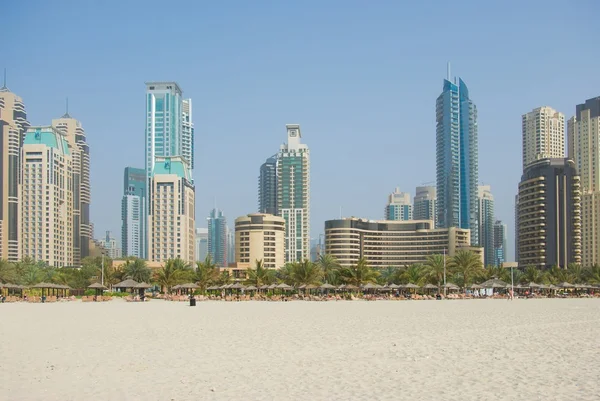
48	136
171	165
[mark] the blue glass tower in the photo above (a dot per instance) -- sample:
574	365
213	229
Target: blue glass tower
457	170
133	213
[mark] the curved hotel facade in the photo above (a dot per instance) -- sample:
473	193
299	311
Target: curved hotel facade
260	236
392	243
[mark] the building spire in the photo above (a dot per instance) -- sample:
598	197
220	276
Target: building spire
67	115
4	87
448	67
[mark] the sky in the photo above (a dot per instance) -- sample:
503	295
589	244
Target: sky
360	77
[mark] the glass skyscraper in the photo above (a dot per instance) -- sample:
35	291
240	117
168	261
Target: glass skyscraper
424	207
486	224
133	213
457	159
267	186
500	251
293	194
217	237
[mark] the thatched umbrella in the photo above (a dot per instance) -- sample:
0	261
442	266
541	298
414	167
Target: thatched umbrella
369	286
326	287
142	287
264	287
188	287
564	284
494	283
451	286
251	288
45	286
126	284
534	285
99	288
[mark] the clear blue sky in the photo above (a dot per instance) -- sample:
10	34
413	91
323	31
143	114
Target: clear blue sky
360	77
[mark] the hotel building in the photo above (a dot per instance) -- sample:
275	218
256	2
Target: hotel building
392	243
171	219
543	135
260	237
549	214
47	197
399	206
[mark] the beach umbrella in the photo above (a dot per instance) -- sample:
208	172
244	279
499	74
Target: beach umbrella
494	283
285	287
251	288
394	286
264	287
272	286
369	286
411	285
451	286
475	287
142	287
124	285
430	286
189	286
326	286
303	286
564	284
350	287
176	287
98	289
534	285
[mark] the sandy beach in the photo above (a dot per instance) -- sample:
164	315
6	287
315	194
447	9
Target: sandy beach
547	349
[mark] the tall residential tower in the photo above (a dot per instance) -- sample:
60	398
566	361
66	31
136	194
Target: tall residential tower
133	213
399	206
13	124
293	194
543	135
424	207
217	237
457	158
486	223
267	186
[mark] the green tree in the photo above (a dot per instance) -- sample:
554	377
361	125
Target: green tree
305	273
207	273
533	274
284	274
576	272
388	275
224	278
433	269
259	275
592	274
359	274
137	269
557	275
7	272
174	272
330	268
414	274
467	264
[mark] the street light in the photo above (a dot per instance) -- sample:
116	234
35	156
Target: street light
445	289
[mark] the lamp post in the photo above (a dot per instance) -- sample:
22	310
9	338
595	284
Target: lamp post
102	268
445	289
512	283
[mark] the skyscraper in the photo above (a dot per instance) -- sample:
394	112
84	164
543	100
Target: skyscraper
187	132
267	186
171	217
399	206
486	223
230	246
201	243
549	214
13	124
109	243
424	207
543	135
133	213
584	149
80	153
457	171
217	237
293	194
500	251
47	197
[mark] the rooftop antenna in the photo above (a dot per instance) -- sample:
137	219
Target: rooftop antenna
67	108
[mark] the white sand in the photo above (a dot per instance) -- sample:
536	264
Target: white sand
419	350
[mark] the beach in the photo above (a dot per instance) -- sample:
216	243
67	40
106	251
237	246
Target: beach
536	349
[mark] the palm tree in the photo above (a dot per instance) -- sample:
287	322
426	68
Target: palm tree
557	275
206	273
260	275
467	264
390	274
285	274
576	272
533	274
433	269
224	278
7	271
305	273
358	274
330	268
414	274
593	274
137	269
172	273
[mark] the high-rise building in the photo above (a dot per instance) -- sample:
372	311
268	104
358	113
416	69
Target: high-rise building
201	244
171	217
543	135
47	197
217	237
399	206
424	207
500	252
267	186
80	153
260	237
230	246
584	149
187	132
457	171
111	246
486	223
549	214
392	243
293	194
13	124
133	213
